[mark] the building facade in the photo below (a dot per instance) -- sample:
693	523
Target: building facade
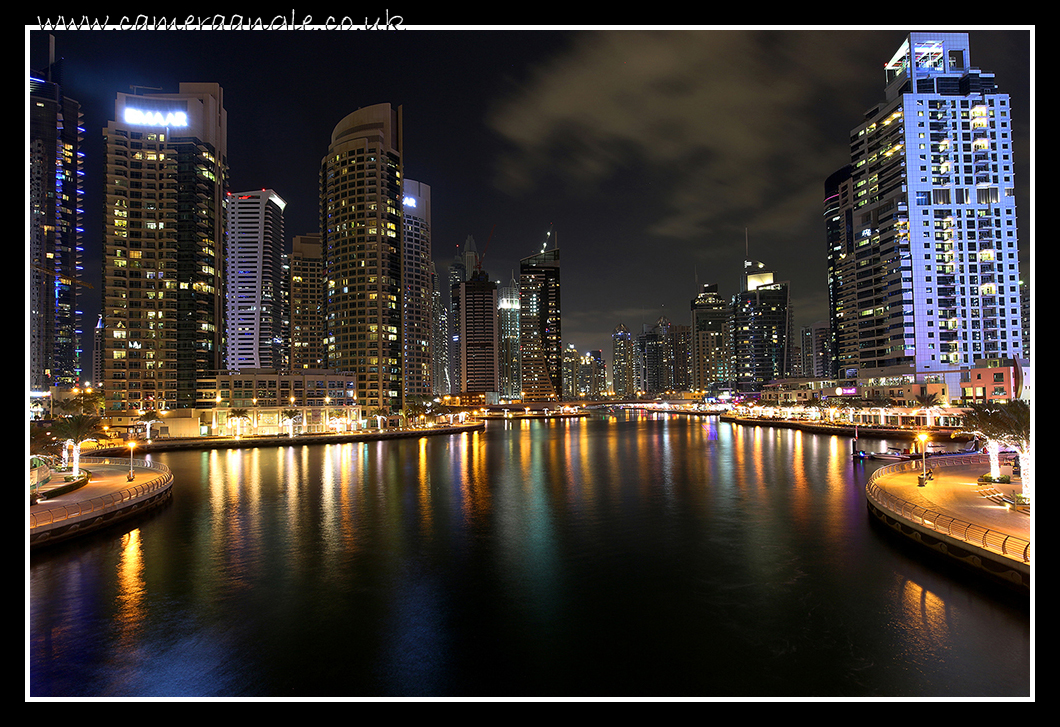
711	349
932	268
541	336
308	324
508	332
418	291
623	363
361	226
56	189
165	190
761	329
475	307
256	276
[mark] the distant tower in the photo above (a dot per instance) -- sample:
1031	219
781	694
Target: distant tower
418	294
622	363
476	309
361	227
761	329
308	326
56	189
711	352
815	351
932	219
440	385
460	270
163	298
511	361
255	277
541	337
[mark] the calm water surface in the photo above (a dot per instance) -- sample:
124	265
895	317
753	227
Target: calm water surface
635	555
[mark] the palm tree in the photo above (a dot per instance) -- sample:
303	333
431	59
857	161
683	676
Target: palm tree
927	402
75	430
1007	425
289	416
240	415
147	419
415	407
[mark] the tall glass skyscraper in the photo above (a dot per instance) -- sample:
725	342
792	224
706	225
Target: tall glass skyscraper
510	359
56	186
255	272
418	293
761	322
361	228
623	367
165	186
711	349
541	337
931	273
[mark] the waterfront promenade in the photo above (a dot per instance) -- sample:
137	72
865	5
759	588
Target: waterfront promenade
955	514
111	495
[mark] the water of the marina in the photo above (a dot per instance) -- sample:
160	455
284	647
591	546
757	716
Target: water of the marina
636	555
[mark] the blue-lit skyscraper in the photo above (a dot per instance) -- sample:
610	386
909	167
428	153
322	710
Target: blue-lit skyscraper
56	186
929	279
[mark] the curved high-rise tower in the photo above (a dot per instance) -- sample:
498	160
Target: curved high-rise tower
361	236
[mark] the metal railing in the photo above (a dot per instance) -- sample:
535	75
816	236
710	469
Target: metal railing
51	514
1007	545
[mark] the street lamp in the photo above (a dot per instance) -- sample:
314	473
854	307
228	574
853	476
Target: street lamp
923	437
132	446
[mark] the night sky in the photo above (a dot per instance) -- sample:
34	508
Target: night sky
654	156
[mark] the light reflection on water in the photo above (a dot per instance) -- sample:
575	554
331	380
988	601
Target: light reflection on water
631	555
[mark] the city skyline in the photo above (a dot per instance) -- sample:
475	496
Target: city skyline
659	159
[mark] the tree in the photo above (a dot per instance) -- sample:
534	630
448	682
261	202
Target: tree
147	419
240	416
289	416
927	402
76	430
1003	425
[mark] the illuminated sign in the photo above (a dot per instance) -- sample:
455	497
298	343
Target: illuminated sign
155	118
410	201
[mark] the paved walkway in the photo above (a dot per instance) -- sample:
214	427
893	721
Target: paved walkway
955	491
107	479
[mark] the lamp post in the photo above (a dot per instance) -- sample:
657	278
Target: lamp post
923	437
132	446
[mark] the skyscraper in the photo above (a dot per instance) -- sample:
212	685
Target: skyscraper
440	384
308	323
761	329
55	247
475	305
933	280
510	359
418	294
541	337
460	269
622	363
255	267
166	179
841	261
361	228
711	342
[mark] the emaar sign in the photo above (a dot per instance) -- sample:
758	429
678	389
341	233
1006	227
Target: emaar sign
155	118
